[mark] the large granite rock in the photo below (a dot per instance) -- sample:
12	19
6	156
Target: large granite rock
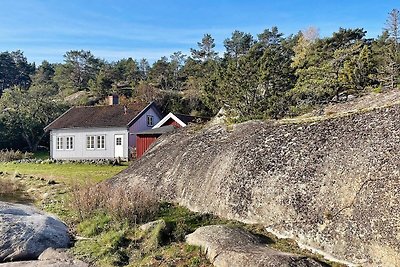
234	247
332	185
49	258
25	232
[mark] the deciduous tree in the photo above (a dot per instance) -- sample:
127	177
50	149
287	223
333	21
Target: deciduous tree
27	112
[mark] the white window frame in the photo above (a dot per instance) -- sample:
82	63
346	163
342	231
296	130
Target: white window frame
150	120
70	143
90	142
59	143
101	141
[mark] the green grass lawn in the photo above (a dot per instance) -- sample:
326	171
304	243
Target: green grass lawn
69	173
41	154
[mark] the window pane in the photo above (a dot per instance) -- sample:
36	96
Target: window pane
149	120
70	142
101	141
90	142
118	141
59	142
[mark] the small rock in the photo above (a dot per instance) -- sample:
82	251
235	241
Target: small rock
234	247
151	225
351	97
54	254
49	258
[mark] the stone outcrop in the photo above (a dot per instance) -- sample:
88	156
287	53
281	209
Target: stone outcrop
333	185
49	258
234	247
25	232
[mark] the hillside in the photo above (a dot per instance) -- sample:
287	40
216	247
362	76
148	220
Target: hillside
331	184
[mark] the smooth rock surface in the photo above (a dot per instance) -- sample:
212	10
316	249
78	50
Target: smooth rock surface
331	184
151	225
25	232
49	258
234	247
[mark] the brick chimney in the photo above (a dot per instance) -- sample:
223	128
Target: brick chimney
113	100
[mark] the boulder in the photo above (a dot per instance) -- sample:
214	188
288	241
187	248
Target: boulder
231	247
49	258
25	232
332	184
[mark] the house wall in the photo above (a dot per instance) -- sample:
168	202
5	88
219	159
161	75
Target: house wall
143	142
171	122
141	125
80	136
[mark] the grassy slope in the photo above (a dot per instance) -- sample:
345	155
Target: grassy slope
68	173
115	243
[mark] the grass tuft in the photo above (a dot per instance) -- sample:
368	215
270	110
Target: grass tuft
11	155
94	226
137	205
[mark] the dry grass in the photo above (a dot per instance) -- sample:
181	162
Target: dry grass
362	104
136	205
11	155
8	187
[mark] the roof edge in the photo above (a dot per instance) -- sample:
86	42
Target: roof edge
92	127
59	117
152	103
166	118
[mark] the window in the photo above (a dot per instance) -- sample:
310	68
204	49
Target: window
59	145
70	143
101	141
90	142
150	120
118	141
96	142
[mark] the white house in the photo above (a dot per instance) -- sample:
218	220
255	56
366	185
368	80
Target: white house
100	132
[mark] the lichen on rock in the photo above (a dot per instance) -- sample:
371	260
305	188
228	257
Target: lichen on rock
332	185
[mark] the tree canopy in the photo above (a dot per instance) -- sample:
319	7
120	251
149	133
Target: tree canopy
270	75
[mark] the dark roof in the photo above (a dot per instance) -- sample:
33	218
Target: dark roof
187	118
160	130
100	116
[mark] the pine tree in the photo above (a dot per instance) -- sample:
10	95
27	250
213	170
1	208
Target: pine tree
390	69
206	50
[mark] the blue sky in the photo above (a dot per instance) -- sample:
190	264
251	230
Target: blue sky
115	29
